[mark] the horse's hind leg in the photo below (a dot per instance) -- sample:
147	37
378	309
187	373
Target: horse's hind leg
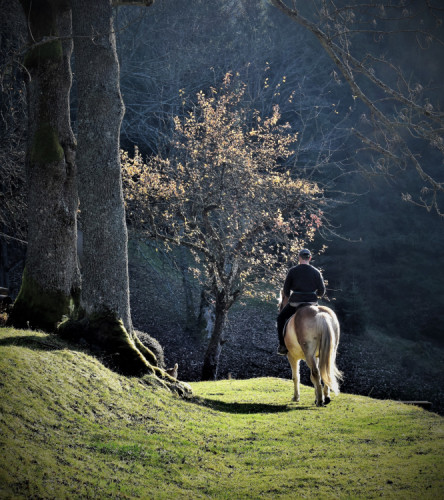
315	377
294	363
326	394
295	372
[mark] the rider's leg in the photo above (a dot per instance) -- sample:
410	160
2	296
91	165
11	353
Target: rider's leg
282	318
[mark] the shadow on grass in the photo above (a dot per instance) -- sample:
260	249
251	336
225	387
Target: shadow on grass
33	342
247	408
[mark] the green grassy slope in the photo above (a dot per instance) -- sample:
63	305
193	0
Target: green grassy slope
70	428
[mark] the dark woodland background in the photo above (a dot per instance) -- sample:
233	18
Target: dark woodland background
384	265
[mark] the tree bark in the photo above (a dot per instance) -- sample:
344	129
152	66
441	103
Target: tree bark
212	355
104	304
105	259
205	320
51	276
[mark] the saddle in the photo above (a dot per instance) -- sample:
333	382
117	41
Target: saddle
298	305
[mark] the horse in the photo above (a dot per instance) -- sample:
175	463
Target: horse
312	334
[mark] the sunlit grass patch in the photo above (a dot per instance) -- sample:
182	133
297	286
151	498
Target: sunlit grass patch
70	428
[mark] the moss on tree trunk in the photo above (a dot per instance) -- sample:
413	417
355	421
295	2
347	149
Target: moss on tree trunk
147	353
46	147
37	307
105	335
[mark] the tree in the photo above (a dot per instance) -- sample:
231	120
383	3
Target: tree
51	278
100	313
104	314
100	112
403	115
181	48
223	194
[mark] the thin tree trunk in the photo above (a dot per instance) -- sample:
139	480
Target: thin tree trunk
51	276
212	355
190	315
4	263
205	320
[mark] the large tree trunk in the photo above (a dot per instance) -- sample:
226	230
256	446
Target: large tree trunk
51	276
104	306
105	258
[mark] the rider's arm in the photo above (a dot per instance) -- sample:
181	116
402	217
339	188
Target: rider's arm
321	287
287	284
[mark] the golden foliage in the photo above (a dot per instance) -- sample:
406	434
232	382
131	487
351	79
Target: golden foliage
224	193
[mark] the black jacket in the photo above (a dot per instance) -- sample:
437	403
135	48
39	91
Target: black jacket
304	283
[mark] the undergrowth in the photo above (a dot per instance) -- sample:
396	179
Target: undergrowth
70	428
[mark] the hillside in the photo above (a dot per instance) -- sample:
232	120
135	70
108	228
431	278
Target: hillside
70	428
383	365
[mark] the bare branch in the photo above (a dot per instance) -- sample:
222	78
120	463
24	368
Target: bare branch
421	121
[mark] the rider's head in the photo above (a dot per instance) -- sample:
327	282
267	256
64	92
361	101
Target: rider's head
304	256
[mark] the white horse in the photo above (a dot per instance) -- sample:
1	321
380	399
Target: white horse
312	334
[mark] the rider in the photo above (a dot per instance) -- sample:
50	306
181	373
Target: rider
303	284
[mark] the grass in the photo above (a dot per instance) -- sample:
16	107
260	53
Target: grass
70	428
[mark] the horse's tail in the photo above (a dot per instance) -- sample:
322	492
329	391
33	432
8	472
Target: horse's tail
327	351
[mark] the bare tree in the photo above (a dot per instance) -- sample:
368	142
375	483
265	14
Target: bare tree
403	116
179	48
224	195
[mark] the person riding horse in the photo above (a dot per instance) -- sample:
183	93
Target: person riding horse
303	285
